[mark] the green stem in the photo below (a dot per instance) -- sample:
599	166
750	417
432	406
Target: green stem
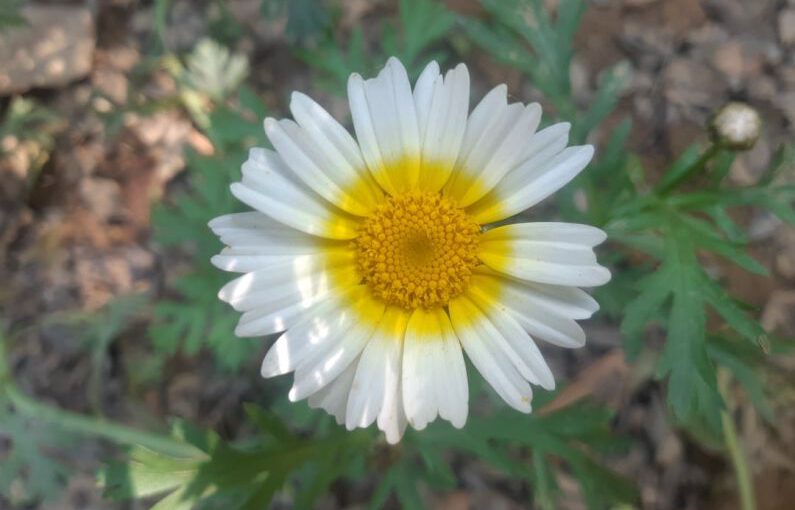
692	170
91	426
81	423
739	462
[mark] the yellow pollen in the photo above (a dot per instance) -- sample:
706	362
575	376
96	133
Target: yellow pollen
417	250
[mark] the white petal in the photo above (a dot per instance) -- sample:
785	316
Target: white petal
552	328
337	154
546	143
358	319
444	131
365	130
549	231
530	183
392	418
387	127
334	397
272	298
423	94
247	260
332	180
495	153
482	342
568	302
333	139
378	373
321	325
404	105
256	234
547	312
269	187
526	251
258	242
487	111
516	343
434	373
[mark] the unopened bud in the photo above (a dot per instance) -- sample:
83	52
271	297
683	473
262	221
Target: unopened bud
736	126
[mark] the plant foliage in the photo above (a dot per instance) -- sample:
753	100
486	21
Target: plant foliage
522	34
197	318
670	229
418	26
29	469
212	473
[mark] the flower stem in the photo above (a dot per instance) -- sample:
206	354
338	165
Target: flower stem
690	171
739	462
91	426
85	424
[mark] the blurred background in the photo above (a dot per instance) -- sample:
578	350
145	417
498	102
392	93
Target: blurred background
122	122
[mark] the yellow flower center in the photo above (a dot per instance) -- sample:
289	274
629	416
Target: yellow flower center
417	249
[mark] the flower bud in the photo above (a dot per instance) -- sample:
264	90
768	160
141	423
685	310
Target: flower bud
736	126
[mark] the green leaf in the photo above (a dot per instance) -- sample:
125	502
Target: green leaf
645	307
423	22
747	367
572	436
543	480
722	219
306	20
680	167
419	25
30	460
161	8
11	13
219	474
692	385
721	166
734	316
604	101
268	424
569	16
704	235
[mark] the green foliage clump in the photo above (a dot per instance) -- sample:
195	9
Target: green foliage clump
307	20
674	228
670	228
197	318
29	470
419	25
523	447
11	13
203	471
516	26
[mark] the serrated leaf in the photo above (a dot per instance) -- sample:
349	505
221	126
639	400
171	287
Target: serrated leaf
740	364
734	316
213	70
218	474
644	308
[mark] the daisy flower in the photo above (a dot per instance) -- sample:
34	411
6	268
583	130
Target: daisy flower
382	259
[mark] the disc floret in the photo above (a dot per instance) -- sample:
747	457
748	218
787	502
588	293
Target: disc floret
417	250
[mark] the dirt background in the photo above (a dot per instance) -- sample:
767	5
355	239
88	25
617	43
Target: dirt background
77	233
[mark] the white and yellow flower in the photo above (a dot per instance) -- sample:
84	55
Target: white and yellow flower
378	260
